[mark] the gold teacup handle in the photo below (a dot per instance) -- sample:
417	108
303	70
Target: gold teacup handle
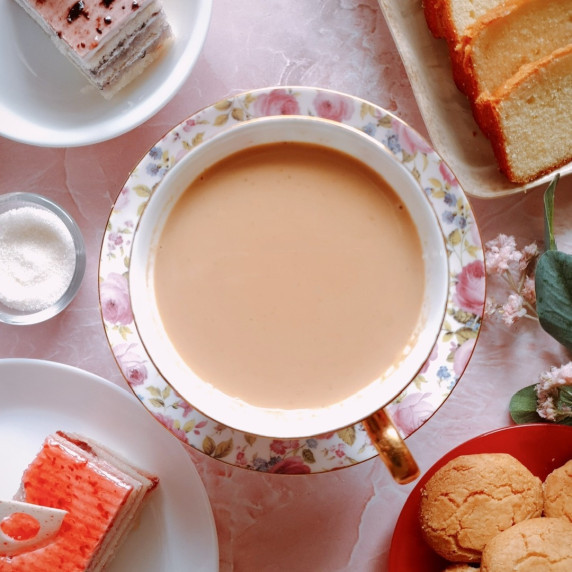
391	447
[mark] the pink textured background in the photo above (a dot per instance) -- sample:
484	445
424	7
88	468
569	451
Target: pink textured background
336	521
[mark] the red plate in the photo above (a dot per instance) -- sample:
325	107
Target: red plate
540	447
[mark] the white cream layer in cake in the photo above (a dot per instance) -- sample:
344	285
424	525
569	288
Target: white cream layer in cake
110	41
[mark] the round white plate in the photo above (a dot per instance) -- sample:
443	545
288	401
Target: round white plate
177	530
46	101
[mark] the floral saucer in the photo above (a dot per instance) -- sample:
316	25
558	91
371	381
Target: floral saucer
424	395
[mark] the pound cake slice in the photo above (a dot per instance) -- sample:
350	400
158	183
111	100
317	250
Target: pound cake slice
505	38
102	493
528	119
110	41
448	19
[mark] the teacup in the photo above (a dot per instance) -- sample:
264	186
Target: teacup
238	297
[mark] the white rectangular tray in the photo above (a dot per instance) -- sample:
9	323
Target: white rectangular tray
445	110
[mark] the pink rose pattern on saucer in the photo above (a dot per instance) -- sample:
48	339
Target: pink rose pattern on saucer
417	402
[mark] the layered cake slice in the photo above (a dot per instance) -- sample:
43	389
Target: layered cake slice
110	41
102	493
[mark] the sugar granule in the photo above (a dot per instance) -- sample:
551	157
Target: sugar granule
37	258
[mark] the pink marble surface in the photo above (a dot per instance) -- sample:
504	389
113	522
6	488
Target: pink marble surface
336	521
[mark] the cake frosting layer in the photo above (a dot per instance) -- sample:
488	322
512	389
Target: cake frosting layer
86	25
109	41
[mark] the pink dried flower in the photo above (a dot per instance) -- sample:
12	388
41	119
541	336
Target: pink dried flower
512	310
548	390
529	253
500	252
491	307
516	268
529	290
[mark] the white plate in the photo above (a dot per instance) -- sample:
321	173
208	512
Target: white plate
44	100
177	530
445	109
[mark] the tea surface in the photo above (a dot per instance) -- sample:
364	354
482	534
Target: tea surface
289	276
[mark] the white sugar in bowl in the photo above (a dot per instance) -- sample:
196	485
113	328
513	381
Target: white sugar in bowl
42	258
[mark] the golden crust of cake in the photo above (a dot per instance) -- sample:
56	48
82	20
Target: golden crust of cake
507	37
449	19
538	544
558	493
438	17
474	497
529	120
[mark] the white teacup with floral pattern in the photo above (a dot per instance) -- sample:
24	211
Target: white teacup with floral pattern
365	405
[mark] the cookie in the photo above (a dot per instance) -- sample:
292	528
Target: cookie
535	544
462	567
474	497
558	492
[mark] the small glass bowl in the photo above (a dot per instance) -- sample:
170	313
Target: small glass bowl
13	316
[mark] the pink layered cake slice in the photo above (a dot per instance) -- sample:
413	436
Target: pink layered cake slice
102	493
110	41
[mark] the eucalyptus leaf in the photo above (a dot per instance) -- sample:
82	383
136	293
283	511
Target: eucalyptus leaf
565	397
522	406
553	280
553	284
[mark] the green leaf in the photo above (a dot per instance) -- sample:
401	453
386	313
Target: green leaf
565	397
549	242
553	282
524	402
523	406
